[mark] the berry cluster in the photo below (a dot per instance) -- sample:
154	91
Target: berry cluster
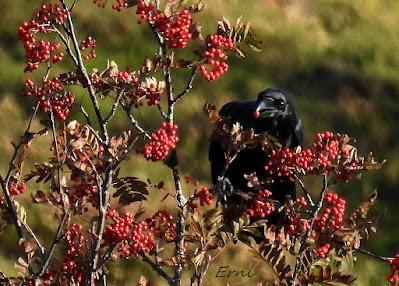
15	189
175	29
138	237
215	57
322	251
87	43
82	189
41	51
393	278
204	196
162	225
328	154
74	240
120	229
331	217
162	141
51	96
298	224
261	206
70	267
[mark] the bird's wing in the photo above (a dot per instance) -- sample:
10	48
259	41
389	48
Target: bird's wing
239	111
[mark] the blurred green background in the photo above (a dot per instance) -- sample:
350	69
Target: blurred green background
339	59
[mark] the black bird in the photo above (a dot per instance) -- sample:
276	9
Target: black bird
272	113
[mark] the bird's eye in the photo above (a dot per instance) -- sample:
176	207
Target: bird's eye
279	103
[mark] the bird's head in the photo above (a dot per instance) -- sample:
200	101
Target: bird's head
273	103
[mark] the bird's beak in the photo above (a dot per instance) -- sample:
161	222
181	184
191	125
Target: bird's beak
264	108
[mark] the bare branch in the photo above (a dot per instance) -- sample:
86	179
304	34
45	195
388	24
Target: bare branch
378	257
114	108
85	114
189	85
315	212
157	268
307	195
66	44
11	168
135	123
82	69
56	240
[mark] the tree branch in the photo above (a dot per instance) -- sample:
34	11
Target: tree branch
135	123
82	69
189	85
114	107
157	268
315	212
307	195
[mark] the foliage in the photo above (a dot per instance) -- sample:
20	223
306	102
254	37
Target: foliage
82	176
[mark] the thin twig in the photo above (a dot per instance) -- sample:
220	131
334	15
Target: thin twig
378	257
315	212
189	85
56	239
114	108
157	268
67	46
85	114
135	123
35	238
307	195
82	69
11	168
163	114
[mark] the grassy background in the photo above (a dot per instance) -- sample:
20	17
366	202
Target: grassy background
339	59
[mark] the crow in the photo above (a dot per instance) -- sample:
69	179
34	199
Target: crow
272	113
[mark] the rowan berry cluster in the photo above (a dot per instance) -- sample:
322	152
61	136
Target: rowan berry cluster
162	225
138	237
88	43
51	96
120	229
322	251
261	206
215	57
162	141
297	218
41	51
328	154
15	189
393	278
71	268
175	29
82	189
331	217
